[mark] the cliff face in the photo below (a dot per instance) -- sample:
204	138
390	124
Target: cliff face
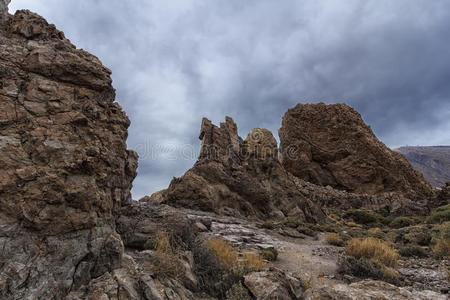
331	145
65	169
433	162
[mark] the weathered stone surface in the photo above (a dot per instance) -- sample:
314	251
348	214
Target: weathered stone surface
273	285
65	168
369	290
331	145
239	177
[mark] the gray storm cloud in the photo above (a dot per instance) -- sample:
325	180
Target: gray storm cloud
174	62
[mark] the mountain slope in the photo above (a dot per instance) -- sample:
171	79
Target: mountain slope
433	162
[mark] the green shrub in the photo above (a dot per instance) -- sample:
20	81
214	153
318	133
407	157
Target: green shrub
364	217
270	254
376	232
238	292
335	239
417	235
367	268
401	222
306	231
440	215
412	251
442	230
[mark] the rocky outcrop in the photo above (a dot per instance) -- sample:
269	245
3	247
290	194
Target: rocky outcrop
66	170
433	162
331	145
240	177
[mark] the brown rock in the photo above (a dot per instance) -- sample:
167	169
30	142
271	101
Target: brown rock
239	177
331	145
65	168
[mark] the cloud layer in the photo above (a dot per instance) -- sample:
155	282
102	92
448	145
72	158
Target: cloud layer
176	61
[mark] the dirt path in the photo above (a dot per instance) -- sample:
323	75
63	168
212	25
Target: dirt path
309	258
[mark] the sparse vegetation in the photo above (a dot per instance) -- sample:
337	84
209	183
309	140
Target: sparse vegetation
238	292
335	239
220	266
373	249
417	235
269	254
440	215
367	268
442	248
166	260
364	217
412	251
401	222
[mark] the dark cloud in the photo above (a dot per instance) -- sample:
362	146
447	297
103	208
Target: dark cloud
174	62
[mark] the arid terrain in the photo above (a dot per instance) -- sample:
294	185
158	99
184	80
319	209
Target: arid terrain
433	162
330	213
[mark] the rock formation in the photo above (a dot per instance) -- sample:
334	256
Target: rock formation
331	145
65	167
240	177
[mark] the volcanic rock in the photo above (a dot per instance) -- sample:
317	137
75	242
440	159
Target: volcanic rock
239	177
331	145
66	170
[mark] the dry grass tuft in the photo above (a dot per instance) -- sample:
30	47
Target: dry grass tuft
373	249
226	255
230	259
166	260
252	262
334	239
442	248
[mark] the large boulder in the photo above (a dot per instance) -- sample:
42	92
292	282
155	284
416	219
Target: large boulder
331	145
66	170
239	177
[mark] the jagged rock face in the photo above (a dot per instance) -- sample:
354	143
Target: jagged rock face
238	177
65	166
331	145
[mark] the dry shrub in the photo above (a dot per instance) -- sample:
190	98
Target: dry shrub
442	248
228	257
412	251
252	262
334	239
166	260
219	267
375	232
367	268
373	249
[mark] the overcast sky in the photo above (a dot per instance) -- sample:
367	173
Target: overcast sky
175	61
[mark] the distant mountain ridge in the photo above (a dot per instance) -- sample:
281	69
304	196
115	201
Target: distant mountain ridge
432	161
